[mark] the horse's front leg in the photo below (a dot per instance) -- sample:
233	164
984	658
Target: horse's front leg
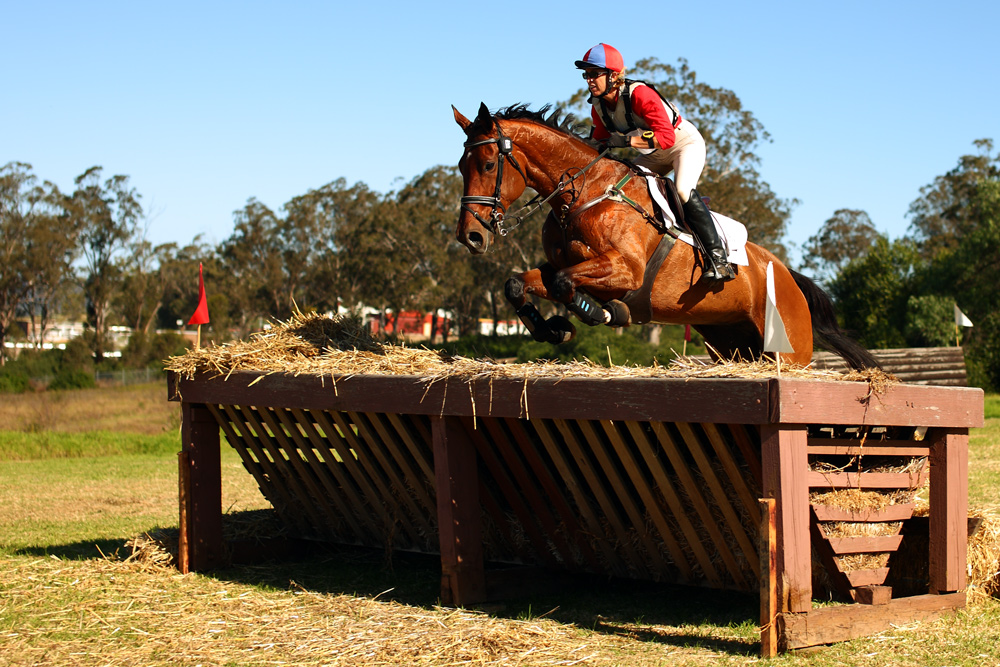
607	273
556	329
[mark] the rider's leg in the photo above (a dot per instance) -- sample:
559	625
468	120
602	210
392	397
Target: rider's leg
699	219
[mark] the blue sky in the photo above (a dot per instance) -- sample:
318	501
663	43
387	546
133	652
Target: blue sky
205	105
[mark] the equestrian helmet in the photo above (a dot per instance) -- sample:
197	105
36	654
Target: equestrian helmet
602	56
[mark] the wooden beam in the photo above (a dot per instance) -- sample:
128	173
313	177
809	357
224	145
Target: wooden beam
784	463
949	509
867	480
768	550
827	625
200	479
460	523
811	402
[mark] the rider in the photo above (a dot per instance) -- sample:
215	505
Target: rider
631	114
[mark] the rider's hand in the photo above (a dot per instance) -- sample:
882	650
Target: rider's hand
618	140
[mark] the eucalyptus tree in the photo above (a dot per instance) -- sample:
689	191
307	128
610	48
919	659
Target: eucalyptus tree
845	236
107	215
35	249
942	215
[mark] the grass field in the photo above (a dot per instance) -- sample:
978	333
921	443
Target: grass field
82	473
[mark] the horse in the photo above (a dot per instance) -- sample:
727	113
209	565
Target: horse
599	247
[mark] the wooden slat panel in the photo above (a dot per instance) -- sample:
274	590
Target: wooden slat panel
645	491
733	522
660	475
417	440
620	490
398	473
693	491
282	496
737	477
372	504
235	441
890	513
867	480
874	577
525	515
519	429
340	469
300	480
843	447
864	544
536	500
748	448
417	479
392	510
334	492
598	490
581	499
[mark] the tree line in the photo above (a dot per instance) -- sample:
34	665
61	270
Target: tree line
85	253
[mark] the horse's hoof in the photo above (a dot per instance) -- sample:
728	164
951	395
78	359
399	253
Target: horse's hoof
620	315
561	330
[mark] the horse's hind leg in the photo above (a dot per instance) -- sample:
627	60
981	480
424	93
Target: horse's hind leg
732	342
556	329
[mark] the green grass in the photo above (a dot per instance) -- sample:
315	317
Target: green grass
20	446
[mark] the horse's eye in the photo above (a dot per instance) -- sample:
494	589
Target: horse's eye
489	166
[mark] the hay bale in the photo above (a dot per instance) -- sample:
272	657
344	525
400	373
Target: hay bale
341	346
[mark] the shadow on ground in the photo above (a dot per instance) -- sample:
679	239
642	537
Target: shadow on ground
723	621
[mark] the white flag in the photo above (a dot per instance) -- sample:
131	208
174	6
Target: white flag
960	319
775	338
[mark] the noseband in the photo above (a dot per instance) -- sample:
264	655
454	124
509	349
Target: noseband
505	148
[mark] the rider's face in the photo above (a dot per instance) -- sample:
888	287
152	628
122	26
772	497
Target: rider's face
597	81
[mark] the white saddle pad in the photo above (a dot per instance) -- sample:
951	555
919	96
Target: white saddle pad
732	232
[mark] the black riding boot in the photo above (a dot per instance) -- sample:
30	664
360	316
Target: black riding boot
699	219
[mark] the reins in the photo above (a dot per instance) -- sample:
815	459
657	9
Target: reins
498	213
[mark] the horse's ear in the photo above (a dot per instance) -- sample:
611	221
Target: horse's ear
484	114
460	119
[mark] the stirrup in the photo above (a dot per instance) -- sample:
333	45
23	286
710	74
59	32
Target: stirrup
712	272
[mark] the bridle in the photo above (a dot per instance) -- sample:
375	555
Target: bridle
505	150
498	212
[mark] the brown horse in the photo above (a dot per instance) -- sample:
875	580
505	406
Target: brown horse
598	248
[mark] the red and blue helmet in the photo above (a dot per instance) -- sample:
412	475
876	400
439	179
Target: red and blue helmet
602	56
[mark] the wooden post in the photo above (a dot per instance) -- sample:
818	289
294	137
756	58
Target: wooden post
767	546
460	531
784	465
949	509
200	546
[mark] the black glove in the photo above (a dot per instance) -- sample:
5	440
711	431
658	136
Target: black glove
619	141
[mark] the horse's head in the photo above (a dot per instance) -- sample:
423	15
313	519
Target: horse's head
488	187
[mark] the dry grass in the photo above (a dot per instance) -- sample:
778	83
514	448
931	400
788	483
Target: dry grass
318	345
146	410
132	613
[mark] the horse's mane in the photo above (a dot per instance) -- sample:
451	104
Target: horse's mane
558	120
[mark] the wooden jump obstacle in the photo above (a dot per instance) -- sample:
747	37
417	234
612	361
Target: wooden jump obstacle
694	481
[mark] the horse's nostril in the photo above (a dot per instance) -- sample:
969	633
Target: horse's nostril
475	239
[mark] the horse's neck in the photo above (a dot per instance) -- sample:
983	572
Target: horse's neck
551	156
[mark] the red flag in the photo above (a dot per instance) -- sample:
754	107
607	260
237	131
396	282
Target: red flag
687	332
201	312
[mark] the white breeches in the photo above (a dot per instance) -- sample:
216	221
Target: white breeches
686	158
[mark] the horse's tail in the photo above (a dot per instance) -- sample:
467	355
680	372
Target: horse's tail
828	333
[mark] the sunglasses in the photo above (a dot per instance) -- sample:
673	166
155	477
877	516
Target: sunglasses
593	73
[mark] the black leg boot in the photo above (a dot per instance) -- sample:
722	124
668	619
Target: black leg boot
699	219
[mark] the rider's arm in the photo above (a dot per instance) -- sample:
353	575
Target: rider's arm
648	105
600	132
